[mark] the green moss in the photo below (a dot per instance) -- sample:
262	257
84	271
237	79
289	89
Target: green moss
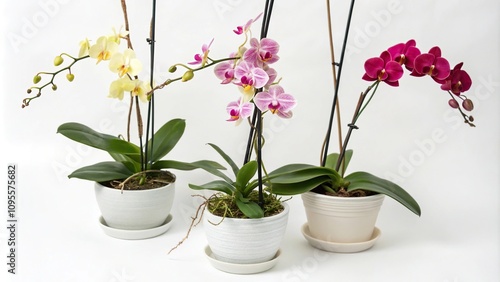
225	205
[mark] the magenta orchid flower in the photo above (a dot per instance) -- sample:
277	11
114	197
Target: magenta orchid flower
203	57
384	69
405	53
262	52
243	29
432	64
249	76
239	110
276	101
458	81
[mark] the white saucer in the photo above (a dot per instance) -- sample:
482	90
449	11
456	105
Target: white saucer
340	247
234	268
136	234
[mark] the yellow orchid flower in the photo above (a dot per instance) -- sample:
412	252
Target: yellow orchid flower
125	63
103	49
84	48
141	89
119	86
117	36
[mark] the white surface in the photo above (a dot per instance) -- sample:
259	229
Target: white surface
408	134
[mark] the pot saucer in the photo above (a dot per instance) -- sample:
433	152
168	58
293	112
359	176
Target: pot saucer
340	247
235	268
136	234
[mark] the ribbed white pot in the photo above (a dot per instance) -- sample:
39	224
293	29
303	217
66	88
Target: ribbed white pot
135	209
245	241
341	219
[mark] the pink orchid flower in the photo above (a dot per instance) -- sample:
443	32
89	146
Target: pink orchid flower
384	69
405	53
249	76
203	57
276	101
239	110
225	72
242	29
262	52
458	81
273	74
432	64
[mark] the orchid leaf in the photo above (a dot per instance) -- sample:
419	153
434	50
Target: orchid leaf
290	189
129	162
165	139
217	185
295	173
244	175
103	171
289	168
209	166
228	159
85	135
366	181
332	159
249	208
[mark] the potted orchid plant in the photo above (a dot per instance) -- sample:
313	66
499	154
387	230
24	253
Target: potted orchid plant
342	208
244	223
134	190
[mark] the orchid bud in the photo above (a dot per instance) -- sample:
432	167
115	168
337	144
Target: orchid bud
29	90
188	75
172	69
453	103
58	60
54	87
70	77
471	118
36	79
468	105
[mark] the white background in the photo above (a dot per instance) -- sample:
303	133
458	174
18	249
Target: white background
408	134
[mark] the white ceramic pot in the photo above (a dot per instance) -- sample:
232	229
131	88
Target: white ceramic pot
341	219
135	209
245	241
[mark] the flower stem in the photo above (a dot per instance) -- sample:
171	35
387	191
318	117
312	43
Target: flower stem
170	80
357	112
335	97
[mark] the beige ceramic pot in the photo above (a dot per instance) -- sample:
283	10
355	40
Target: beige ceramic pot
341	219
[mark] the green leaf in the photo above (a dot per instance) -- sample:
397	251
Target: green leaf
290	189
85	135
245	174
228	159
165	139
209	166
289	168
129	162
103	171
331	161
217	185
366	181
248	208
293	174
